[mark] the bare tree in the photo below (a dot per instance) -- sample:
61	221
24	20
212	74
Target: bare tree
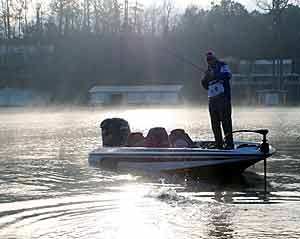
19	22
116	16
97	4
4	18
151	19
126	16
8	25
68	15
276	6
87	14
25	12
25	6
38	17
61	5
167	10
137	11
12	15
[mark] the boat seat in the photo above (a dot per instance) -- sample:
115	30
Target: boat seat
135	139
157	138
180	139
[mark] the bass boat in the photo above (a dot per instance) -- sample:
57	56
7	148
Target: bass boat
200	160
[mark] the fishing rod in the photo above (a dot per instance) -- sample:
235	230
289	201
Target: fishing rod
183	59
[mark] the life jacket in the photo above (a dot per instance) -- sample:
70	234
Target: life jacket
180	139
135	139
157	138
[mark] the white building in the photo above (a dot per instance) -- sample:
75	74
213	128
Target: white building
135	95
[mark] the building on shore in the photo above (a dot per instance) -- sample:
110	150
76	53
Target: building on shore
272	97
14	97
135	95
264	82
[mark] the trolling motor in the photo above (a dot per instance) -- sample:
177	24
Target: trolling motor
264	148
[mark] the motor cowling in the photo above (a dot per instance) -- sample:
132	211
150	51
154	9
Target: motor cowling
114	132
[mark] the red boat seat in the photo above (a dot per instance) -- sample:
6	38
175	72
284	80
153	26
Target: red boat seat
135	139
180	139
157	138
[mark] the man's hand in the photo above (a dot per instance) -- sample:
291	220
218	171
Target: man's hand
205	81
210	74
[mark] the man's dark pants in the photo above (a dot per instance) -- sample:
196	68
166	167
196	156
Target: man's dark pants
220	113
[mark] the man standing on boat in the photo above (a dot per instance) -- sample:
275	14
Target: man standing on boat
217	83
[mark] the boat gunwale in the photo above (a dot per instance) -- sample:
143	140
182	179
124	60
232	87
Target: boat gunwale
179	152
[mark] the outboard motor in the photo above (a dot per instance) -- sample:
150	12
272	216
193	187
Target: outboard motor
115	132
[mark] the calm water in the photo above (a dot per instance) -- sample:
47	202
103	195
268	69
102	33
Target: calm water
48	190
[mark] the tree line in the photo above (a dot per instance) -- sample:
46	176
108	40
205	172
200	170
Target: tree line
22	19
123	42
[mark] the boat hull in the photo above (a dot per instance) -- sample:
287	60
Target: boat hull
195	162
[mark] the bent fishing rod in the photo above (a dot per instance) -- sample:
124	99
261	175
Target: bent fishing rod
183	59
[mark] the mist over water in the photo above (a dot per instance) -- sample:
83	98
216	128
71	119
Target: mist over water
48	189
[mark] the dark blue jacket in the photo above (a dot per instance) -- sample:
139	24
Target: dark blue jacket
222	75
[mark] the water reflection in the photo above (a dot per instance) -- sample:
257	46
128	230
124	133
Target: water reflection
220	220
48	190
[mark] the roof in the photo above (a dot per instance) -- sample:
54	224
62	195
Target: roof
270	91
15	91
266	62
136	88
